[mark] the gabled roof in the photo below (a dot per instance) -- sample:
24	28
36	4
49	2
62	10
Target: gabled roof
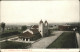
29	34
41	21
26	35
34	31
28	31
35	26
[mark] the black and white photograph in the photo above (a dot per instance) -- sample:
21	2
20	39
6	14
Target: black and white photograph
39	24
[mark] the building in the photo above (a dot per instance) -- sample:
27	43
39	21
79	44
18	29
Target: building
36	32
43	28
30	35
67	27
34	27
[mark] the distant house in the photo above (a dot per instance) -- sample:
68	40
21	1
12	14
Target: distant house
53	27
34	27
67	27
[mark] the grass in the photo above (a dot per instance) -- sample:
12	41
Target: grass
13	45
8	33
66	40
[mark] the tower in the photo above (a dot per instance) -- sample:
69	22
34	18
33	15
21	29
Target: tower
46	23
46	28
41	28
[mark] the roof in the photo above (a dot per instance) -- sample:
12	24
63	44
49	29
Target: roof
35	26
35	31
28	31
41	21
64	25
46	21
26	35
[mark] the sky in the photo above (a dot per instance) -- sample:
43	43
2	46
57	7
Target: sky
34	11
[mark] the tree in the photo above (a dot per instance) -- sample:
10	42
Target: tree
3	26
23	28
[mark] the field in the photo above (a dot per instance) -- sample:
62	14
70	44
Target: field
66	40
8	33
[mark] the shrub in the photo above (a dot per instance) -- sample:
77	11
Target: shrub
9	34
13	45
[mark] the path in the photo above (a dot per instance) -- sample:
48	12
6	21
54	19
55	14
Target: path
8	38
78	39
45	42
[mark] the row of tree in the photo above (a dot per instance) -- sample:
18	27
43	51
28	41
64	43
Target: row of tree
3	27
9	34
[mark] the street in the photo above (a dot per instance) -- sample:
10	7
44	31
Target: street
46	41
